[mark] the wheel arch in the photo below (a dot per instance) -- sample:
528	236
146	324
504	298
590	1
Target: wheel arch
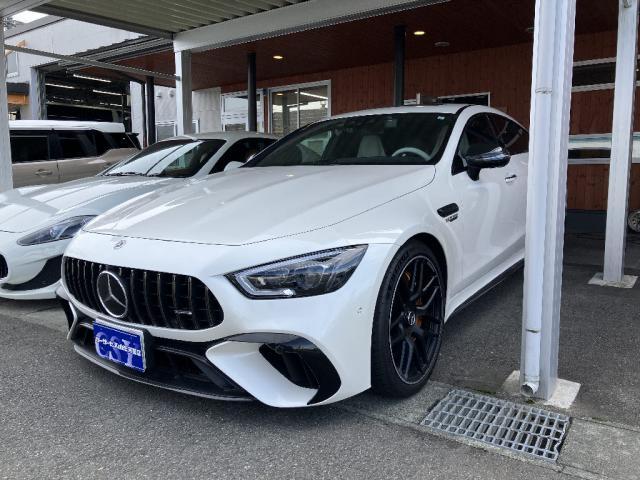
434	244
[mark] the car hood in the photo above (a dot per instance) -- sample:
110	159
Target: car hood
24	209
250	205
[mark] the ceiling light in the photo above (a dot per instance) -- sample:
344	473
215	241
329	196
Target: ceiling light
95	79
419	33
278	57
59	85
314	95
280	94
104	92
442	44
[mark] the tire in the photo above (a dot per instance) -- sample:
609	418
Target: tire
633	221
405	345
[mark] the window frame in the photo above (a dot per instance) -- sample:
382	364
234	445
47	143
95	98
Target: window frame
35	133
456	156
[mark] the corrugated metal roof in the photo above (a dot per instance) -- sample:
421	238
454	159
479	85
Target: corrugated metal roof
160	16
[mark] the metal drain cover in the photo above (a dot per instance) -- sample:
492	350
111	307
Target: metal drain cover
520	428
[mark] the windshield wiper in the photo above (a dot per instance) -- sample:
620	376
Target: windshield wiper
124	174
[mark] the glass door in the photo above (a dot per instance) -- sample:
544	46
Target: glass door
295	106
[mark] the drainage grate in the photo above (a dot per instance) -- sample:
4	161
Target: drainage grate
524	429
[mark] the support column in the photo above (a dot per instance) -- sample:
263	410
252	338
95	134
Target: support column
150	93
6	172
184	107
37	95
252	92
399	39
621	142
546	194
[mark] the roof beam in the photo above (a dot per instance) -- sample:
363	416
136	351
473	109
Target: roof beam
93	63
100	20
298	17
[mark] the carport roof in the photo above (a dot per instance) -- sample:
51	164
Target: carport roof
161	18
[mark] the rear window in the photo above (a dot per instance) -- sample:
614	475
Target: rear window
75	144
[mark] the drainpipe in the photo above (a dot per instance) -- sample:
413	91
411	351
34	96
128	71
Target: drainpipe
546	194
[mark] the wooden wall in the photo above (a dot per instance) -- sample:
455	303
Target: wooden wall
506	73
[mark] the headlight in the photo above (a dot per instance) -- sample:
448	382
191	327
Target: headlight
60	231
303	276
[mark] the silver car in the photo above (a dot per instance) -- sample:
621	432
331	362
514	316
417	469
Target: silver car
50	151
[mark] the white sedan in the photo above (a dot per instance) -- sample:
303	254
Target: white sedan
37	223
325	266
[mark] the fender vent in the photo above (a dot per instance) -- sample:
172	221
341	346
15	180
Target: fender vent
500	423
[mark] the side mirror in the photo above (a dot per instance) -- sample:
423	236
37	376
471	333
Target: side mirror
233	165
498	157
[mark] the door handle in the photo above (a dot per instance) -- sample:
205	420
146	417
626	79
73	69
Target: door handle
511	178
44	173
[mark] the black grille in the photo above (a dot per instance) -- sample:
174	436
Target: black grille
4	269
155	298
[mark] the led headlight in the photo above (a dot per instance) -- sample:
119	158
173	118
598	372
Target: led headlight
303	276
60	231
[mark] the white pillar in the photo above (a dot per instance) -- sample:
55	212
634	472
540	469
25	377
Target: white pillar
546	193
621	141
6	173
184	107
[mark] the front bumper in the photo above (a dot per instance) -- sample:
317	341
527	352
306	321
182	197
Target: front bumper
33	273
286	352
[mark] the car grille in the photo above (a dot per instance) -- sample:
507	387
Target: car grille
158	299
4	269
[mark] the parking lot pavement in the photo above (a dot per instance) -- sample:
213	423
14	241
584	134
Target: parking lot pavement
65	418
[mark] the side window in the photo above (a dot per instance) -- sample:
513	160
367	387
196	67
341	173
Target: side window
29	148
241	151
75	144
477	137
512	136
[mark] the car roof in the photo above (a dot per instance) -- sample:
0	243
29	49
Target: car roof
445	108
229	136
109	127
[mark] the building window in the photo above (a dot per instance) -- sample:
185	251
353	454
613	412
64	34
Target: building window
12	64
594	75
235	111
295	106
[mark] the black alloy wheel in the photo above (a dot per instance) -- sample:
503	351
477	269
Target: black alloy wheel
408	323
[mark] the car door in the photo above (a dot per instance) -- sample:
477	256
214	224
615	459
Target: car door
31	157
484	223
78	157
515	139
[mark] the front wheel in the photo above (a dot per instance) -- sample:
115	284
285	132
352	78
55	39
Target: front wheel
408	322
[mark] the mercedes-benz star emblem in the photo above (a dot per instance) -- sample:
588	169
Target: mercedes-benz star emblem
112	294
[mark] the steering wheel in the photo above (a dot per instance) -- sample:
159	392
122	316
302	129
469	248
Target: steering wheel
415	151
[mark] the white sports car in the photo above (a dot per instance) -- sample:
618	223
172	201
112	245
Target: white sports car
325	266
37	223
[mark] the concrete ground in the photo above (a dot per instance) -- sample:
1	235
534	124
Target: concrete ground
61	417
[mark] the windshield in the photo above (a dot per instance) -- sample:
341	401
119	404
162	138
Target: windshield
170	158
392	139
